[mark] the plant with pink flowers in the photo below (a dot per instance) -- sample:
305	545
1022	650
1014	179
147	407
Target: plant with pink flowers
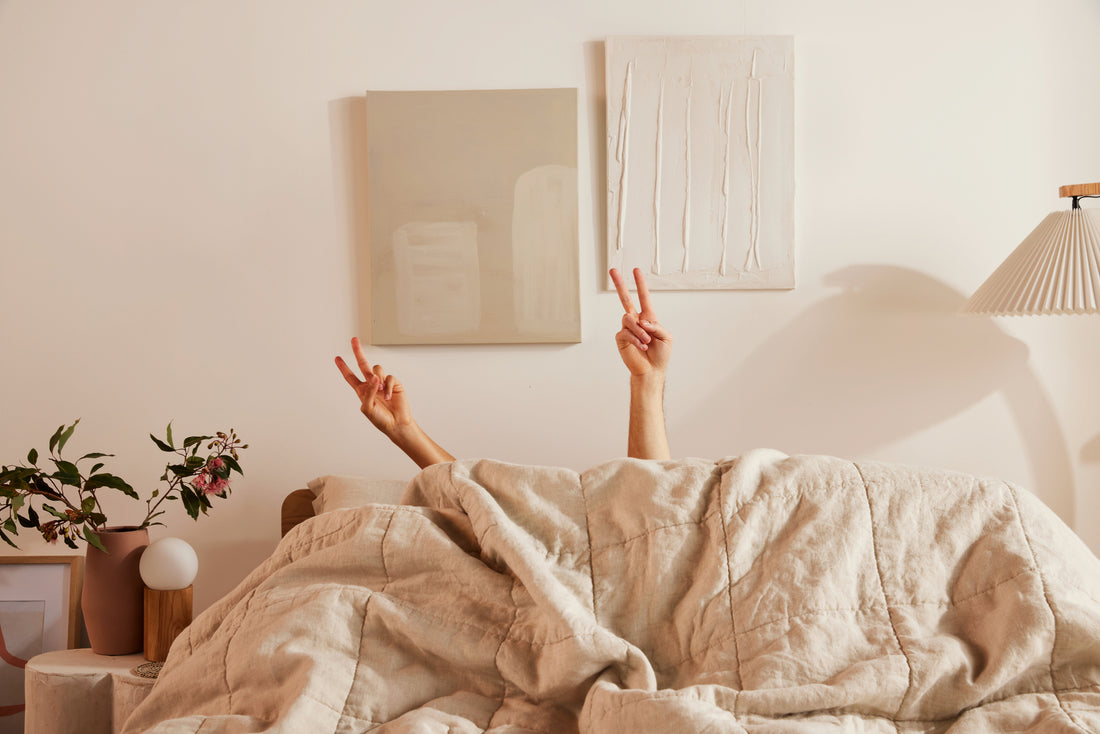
67	494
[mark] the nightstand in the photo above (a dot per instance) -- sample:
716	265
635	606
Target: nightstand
79	692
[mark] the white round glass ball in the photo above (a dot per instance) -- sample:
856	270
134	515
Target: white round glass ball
168	564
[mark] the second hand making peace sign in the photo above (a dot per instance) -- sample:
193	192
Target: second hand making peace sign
644	345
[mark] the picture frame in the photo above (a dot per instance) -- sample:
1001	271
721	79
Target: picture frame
473	234
39	612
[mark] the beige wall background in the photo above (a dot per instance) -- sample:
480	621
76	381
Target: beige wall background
178	223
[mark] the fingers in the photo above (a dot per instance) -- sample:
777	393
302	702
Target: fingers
360	356
656	331
645	304
641	333
624	292
349	376
374	380
634	331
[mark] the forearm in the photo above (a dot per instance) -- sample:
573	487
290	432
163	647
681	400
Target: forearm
419	446
647	438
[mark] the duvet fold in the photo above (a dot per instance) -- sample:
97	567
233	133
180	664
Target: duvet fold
758	593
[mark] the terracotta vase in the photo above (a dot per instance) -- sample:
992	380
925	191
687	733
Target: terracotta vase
113	597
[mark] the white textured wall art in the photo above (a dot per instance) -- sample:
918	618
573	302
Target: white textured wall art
700	160
472	208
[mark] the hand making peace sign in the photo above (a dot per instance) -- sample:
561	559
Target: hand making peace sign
644	345
382	397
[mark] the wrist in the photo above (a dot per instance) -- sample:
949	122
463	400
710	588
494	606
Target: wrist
648	383
405	434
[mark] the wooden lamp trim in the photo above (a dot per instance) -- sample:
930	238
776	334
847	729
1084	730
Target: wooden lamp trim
1089	189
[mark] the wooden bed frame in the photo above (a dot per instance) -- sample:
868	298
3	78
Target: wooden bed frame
297	508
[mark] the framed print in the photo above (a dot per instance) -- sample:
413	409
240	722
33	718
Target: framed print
39	612
700	160
472	209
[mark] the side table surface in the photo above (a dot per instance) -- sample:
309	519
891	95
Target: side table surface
71	691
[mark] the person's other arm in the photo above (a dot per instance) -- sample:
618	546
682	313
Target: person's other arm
645	347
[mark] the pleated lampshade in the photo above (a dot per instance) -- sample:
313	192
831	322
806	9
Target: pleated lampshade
1056	270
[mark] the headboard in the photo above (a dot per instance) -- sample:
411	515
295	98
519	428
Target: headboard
297	507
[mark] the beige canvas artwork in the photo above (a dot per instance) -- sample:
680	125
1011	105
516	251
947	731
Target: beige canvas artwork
472	208
700	160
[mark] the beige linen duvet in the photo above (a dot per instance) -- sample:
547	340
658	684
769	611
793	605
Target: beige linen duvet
762	593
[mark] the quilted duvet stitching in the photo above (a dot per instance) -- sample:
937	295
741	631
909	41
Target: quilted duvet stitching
591	552
496	655
1054	615
729	587
363	627
885	599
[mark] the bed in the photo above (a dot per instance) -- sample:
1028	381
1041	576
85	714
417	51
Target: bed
756	593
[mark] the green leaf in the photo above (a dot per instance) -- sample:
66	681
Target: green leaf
96	468
56	437
55	513
69	542
67	473
7	540
195	462
64	439
9	525
93	539
110	480
43	486
180	470
190	502
161	444
232	464
193	441
87	505
93	455
30	521
169	435
32	457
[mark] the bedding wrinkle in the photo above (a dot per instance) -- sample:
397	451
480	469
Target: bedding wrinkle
1053	620
882	586
726	544
344	722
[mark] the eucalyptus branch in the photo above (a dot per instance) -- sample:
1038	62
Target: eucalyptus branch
193	482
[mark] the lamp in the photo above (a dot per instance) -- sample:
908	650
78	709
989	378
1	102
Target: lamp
1055	270
168	566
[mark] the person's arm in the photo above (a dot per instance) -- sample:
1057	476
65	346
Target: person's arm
645	347
382	399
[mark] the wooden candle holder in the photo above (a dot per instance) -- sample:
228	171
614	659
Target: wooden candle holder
167	613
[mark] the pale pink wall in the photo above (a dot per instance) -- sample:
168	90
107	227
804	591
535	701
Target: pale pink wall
177	233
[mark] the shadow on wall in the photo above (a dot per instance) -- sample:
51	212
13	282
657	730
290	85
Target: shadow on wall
888	356
348	139
235	561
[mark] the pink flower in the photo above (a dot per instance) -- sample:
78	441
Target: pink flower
215	464
218	487
200	482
